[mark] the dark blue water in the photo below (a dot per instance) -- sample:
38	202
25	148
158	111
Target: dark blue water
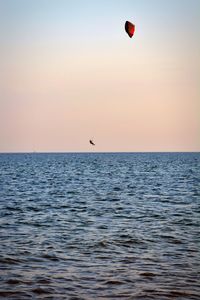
100	226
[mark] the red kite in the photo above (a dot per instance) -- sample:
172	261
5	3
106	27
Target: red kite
130	28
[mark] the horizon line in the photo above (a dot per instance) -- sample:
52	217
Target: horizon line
70	152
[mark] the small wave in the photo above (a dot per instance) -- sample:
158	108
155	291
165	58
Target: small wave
40	290
99	244
113	199
114	282
117	189
126	241
51	257
10	261
15	281
176	294
44	281
148	274
172	239
15	295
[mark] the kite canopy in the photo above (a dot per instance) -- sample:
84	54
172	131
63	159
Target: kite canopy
130	28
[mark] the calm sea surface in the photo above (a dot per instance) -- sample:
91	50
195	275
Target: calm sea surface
100	226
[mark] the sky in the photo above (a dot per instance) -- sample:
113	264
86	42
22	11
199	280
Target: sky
69	73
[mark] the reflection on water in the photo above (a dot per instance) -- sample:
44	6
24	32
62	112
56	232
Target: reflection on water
100	226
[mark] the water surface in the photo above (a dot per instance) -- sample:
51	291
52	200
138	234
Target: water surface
100	226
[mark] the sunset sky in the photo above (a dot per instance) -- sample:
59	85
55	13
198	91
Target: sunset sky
69	72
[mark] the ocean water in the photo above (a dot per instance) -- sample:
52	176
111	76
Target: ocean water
100	226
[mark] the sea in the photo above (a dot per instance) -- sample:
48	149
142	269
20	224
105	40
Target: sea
100	226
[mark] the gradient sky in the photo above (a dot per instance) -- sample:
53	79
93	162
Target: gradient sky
69	72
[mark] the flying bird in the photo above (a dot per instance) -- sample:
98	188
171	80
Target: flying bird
130	28
92	143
